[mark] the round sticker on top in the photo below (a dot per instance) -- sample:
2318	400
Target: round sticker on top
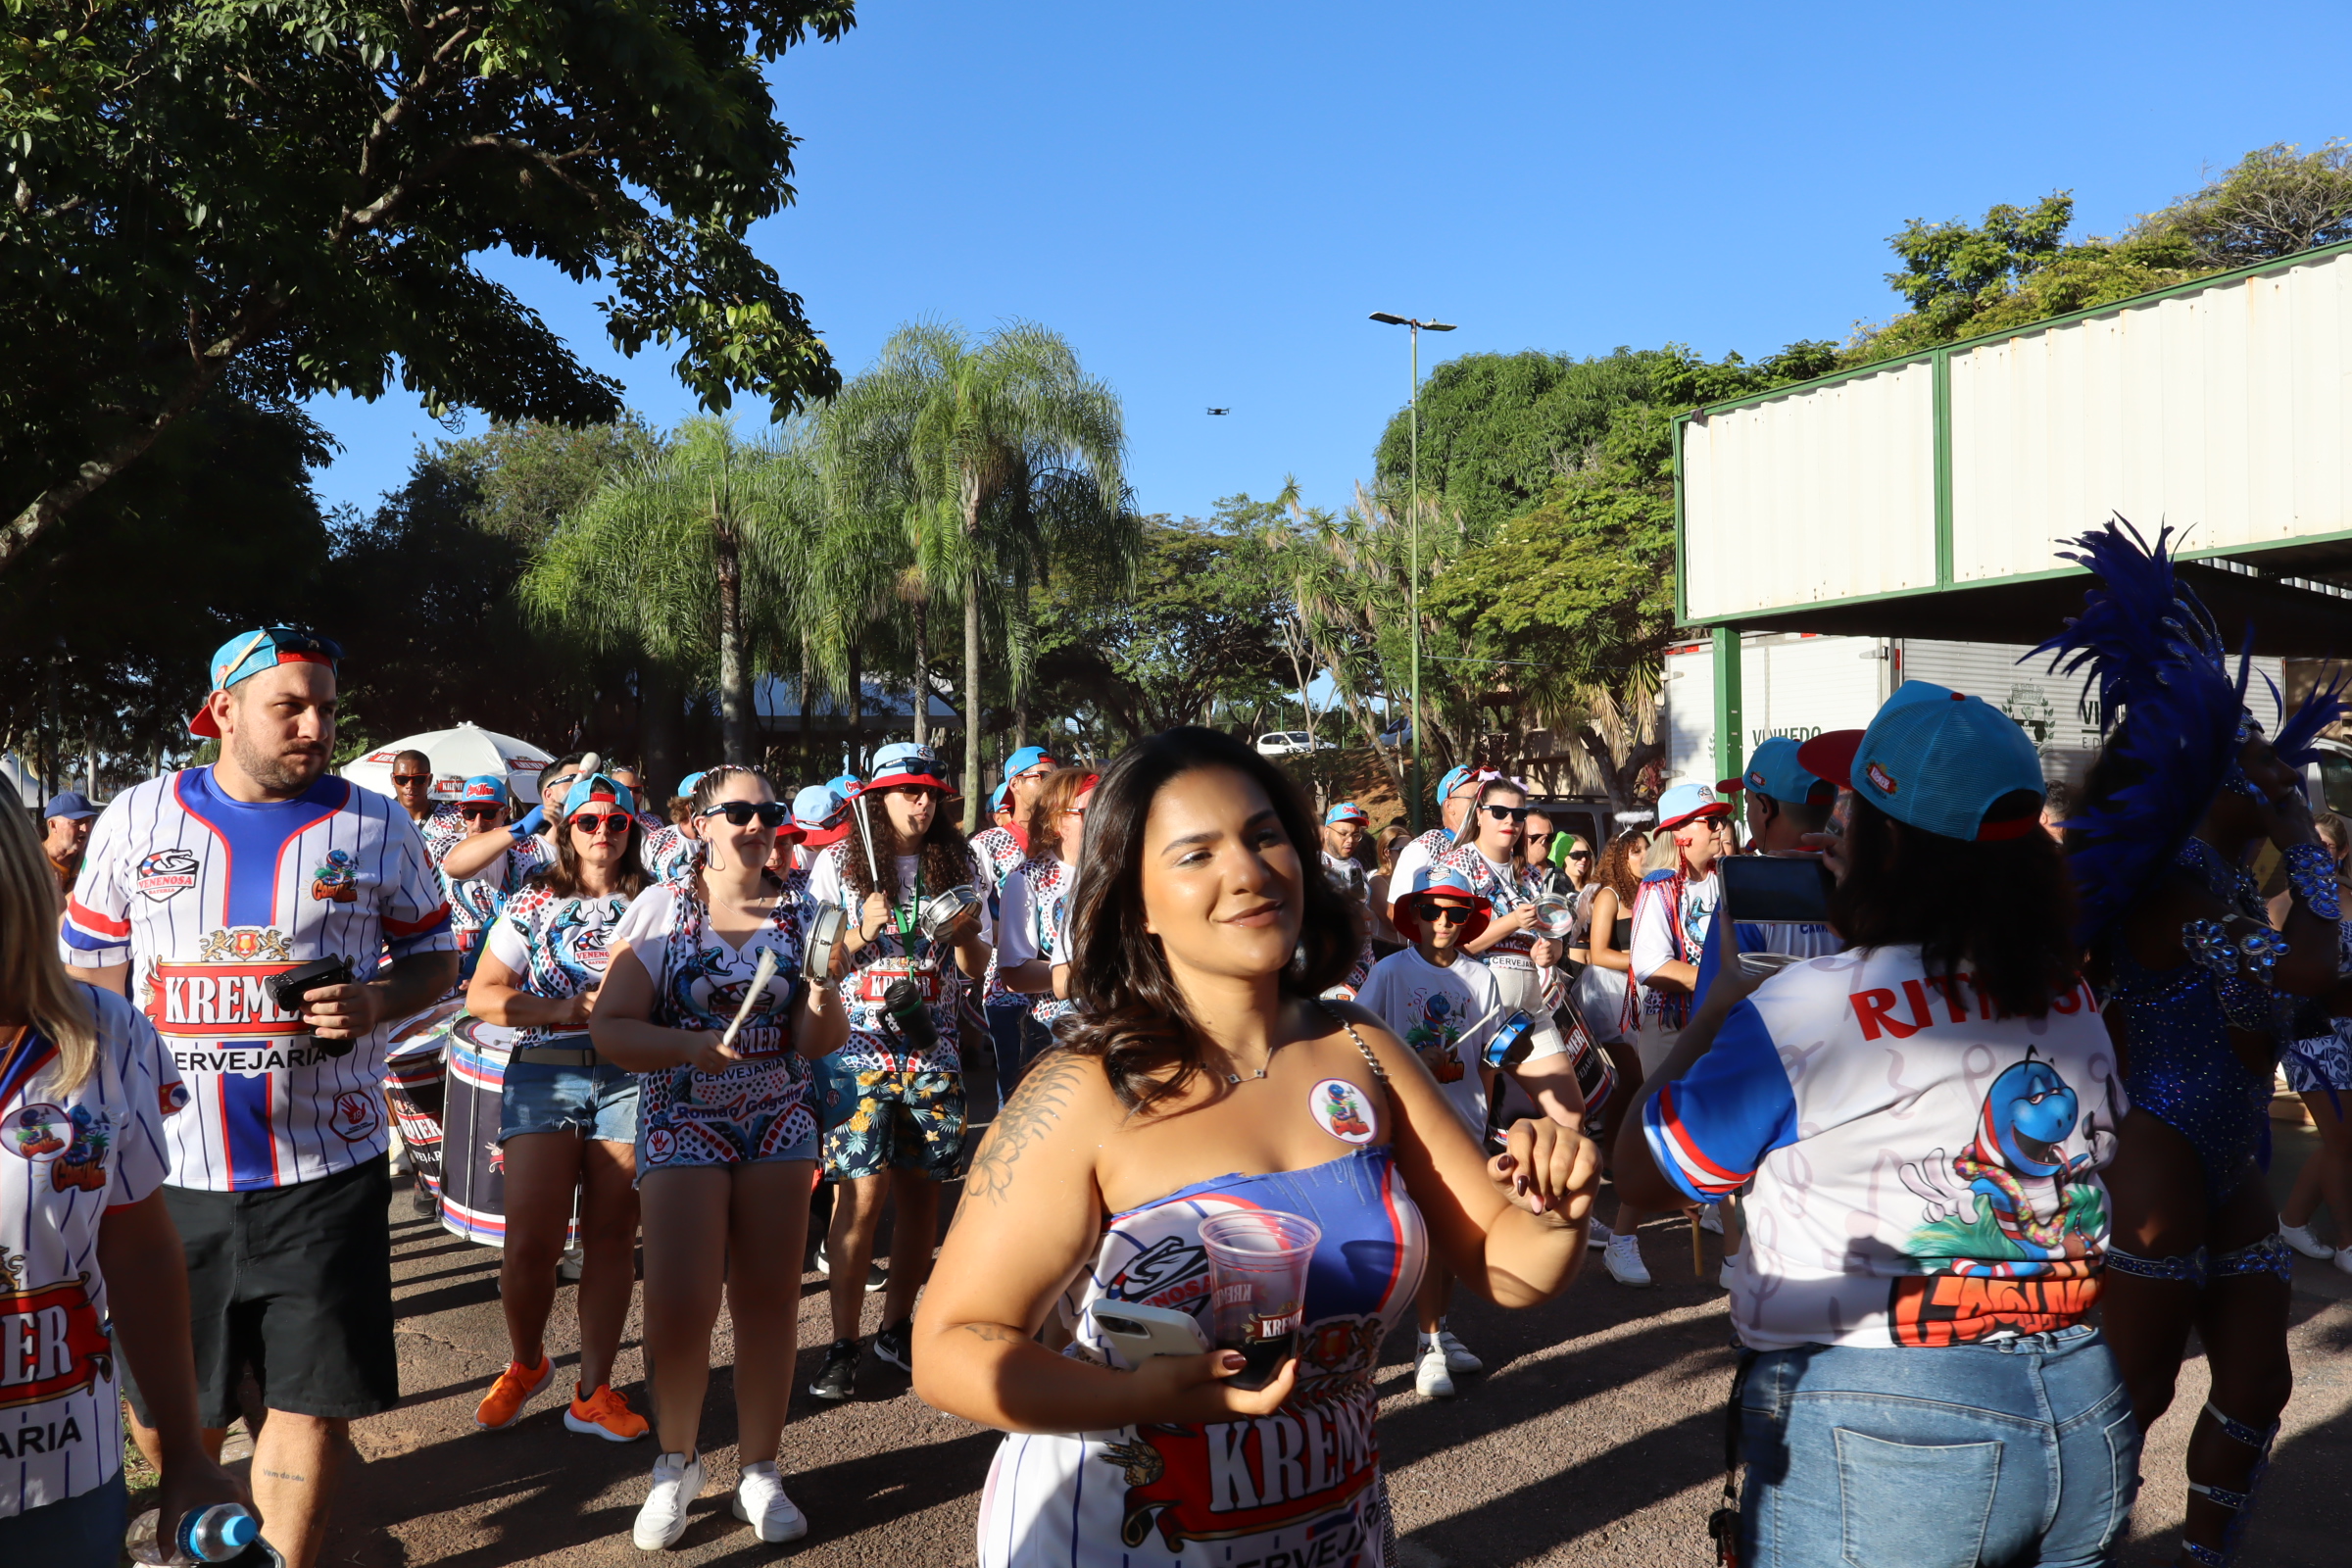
1343	1110
41	1131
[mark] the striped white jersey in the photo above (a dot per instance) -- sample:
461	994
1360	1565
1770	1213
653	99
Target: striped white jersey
66	1158
205	898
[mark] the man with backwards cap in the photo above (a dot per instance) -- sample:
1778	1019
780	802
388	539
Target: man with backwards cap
1784	805
200	888
1001	847
1673	912
1344	828
1457	792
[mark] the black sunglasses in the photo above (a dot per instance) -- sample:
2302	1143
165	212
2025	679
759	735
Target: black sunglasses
481	811
1579	854
1443	913
739	814
412	778
1506	813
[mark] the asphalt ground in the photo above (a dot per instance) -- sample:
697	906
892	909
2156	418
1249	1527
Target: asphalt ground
1595	1438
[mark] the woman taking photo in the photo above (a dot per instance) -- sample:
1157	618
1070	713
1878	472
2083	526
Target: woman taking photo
1924	1117
568	1119
1200	1076
726	1140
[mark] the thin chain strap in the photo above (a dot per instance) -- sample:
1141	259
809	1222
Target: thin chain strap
1370	1060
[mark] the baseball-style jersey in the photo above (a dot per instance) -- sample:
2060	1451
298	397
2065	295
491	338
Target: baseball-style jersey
874	1045
1504	888
557	947
1034	923
1926	1168
66	1158
206	898
1000	850
1427	850
670	853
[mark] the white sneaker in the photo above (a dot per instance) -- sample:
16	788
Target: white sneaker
1623	1259
1596	1234
677	1482
1430	1376
760	1500
2300	1238
569	1263
1457	1354
824	1264
2343	1259
1710	1217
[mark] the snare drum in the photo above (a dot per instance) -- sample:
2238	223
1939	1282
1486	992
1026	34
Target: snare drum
413	1085
474	1188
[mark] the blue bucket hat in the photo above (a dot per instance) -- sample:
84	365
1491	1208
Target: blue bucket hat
1936	761
906	762
1445	882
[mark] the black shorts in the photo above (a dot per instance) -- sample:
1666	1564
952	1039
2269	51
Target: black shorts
295	1284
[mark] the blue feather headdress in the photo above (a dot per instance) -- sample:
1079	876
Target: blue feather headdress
2158	682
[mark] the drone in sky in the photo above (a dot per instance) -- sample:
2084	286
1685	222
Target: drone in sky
1220	410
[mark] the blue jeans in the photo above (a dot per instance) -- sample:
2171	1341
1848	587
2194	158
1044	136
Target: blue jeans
85	1531
541	1097
2015	1451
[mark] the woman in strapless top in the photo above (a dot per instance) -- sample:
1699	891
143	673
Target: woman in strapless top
1200	1076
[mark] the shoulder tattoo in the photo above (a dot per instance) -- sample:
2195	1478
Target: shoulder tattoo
1032	1112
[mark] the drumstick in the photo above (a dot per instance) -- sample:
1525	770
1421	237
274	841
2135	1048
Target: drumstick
760	976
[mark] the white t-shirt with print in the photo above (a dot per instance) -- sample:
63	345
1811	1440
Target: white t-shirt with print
557	947
872	1047
1446	1015
1926	1172
65	1160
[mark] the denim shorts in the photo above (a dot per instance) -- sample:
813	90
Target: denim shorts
540	1096
2006	1450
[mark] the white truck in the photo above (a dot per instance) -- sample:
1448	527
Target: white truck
1798	684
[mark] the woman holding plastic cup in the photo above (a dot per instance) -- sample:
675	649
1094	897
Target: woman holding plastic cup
1229	1168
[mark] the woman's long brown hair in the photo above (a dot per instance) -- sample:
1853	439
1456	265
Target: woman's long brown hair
34	987
1061	787
1130	1011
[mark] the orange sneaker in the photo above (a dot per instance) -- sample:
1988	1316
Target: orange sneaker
510	1392
605	1414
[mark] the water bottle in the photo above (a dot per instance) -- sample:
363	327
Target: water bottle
217	1534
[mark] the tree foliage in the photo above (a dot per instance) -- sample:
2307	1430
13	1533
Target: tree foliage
289	197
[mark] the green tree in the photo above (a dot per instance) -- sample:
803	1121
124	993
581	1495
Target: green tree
999	455
2276	201
523	478
288	199
682	557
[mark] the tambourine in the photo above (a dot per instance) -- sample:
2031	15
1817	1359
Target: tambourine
942	910
1555	916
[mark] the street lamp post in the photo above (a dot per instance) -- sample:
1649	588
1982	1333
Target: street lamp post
1414	528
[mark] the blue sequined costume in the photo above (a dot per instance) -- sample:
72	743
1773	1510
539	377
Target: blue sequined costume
2181	1069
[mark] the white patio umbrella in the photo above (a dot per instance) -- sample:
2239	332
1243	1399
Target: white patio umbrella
458	755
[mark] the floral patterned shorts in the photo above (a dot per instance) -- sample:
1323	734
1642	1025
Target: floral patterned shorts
898	1120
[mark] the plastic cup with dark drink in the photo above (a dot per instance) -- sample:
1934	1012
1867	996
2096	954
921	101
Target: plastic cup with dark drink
1258	1287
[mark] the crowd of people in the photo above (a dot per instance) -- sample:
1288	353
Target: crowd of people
1980	1125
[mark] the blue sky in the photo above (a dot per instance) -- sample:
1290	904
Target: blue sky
1207	199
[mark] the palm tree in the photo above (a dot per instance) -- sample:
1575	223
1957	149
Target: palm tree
682	555
1000	457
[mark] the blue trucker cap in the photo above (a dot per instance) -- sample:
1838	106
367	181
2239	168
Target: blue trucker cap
1936	760
1023	761
1772	769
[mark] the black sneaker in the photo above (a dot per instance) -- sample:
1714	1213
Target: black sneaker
896	1347
837	1379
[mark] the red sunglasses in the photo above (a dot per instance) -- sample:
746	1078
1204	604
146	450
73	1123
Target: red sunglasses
614	821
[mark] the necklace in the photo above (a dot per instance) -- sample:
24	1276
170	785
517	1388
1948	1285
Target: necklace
1236	1079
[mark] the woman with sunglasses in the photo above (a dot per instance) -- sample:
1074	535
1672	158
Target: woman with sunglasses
1521	958
726	1140
894	1098
568	1119
1202	1074
1032	955
474	896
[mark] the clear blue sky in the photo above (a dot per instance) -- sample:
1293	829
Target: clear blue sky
1207	199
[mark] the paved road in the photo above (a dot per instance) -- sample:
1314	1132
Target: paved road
1595	1440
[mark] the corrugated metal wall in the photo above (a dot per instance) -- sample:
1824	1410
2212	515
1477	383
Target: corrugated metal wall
1847	468
2225	412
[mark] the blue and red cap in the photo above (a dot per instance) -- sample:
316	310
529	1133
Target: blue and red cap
1688	802
1772	769
817	812
596	789
483	789
1345	811
1445	882
1455	779
1936	760
247	655
1026	759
